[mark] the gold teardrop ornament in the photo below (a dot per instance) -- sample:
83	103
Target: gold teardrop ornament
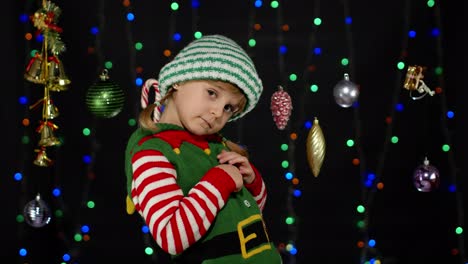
315	146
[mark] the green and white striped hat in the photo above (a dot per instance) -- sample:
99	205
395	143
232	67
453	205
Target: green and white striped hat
214	57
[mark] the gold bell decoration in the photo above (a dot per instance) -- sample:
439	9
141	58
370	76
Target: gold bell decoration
46	129
41	158
34	70
414	82
58	80
45	68
315	146
49	110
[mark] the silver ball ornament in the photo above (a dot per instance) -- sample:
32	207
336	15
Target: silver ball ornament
36	212
345	92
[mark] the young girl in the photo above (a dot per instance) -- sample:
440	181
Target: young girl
197	192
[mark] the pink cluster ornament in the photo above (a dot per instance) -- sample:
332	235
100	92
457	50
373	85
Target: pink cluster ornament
281	107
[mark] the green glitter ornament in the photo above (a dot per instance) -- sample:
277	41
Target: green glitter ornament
105	99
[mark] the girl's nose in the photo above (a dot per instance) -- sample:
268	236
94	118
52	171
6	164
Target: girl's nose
217	110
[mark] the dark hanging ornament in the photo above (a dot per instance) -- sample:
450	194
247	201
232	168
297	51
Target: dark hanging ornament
426	178
105	99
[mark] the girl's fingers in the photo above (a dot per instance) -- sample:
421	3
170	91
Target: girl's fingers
234	158
228	156
237	160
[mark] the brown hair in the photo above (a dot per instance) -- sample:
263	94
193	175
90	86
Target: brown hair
145	119
237	148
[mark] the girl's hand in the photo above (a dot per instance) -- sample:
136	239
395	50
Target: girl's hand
241	162
235	174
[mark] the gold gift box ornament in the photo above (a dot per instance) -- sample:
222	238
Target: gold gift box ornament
414	82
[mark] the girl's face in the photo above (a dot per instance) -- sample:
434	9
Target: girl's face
202	107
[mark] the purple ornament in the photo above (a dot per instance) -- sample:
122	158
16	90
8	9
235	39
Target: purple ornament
426	177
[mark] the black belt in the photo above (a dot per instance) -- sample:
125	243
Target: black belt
223	245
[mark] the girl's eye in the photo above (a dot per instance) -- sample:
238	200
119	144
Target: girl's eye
211	93
229	108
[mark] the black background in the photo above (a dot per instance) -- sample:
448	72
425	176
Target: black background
409	226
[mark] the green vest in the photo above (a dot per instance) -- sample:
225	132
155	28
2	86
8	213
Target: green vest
192	156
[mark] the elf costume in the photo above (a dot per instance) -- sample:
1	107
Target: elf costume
190	205
192	216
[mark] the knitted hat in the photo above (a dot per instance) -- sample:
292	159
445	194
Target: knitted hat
214	57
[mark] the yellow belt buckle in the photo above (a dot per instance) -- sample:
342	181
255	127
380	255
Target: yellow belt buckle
243	239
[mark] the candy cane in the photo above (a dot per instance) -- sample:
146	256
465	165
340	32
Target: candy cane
157	97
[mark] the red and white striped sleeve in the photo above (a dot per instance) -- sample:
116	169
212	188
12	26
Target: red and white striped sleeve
176	221
258	189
